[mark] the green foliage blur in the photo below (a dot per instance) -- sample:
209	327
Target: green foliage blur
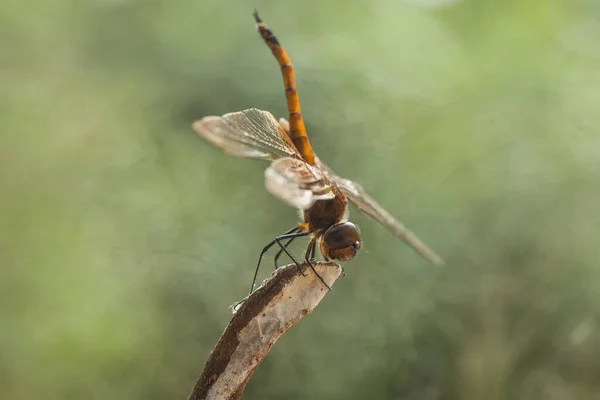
125	237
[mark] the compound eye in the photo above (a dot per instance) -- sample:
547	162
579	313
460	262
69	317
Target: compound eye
341	236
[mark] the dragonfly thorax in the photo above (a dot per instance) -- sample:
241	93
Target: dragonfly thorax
326	213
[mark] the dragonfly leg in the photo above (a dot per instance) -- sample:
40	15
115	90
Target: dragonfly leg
310	254
292	233
291	236
280	252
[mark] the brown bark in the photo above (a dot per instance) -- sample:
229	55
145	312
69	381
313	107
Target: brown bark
259	321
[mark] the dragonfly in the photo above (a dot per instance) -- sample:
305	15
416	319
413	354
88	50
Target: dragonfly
298	177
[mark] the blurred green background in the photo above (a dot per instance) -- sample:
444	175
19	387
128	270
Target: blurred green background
125	237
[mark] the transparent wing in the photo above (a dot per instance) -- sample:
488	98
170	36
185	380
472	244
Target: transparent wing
297	183
359	197
249	133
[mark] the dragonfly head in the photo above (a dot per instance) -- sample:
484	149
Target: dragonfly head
341	241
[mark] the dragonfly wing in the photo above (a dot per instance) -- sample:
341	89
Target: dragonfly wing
297	183
249	133
359	197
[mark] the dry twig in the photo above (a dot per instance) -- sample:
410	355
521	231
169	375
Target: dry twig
282	300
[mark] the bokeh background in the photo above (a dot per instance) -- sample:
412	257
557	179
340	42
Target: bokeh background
125	237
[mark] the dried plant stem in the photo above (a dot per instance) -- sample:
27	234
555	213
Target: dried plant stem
282	300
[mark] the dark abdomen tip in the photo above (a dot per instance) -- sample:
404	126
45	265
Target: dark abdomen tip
256	17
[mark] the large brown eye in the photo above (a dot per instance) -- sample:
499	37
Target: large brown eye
341	236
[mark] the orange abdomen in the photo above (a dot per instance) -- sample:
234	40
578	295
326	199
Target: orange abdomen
297	132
